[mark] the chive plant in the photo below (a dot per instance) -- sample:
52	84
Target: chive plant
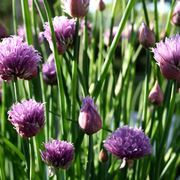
85	95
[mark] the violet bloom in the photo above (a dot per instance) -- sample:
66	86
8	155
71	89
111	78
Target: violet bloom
101	5
146	36
58	154
27	117
176	14
64	30
77	8
128	143
17	59
167	56
49	71
89	119
156	95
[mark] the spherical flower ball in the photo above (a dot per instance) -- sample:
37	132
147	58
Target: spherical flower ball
27	117
89	119
128	143
49	71
64	30
58	154
167	56
18	59
77	8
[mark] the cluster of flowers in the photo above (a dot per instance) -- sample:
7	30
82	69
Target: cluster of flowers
20	60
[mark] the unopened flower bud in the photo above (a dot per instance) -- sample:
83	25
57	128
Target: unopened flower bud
176	14
103	156
146	36
89	119
77	8
101	5
156	95
3	32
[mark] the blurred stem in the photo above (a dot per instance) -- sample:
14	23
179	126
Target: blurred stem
45	104
3	108
111	50
145	12
50	129
58	70
112	20
27	21
90	158
32	161
146	89
156	20
14	16
168	23
15	90
74	78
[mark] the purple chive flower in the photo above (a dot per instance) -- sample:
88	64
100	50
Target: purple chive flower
77	8
128	143
58	154
3	32
64	30
101	5
156	95
40	37
89	119
176	14
49	71
167	56
17	59
146	36
27	117
21	32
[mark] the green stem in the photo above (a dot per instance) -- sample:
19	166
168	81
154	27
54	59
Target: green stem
156	20
112	48
32	162
14	16
58	70
146	89
90	158
168	23
145	12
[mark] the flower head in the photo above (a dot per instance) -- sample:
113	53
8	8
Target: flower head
17	59
101	5
49	71
146	36
89	119
167	56
128	143
176	14
64	30
58	154
156	95
27	117
77	8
